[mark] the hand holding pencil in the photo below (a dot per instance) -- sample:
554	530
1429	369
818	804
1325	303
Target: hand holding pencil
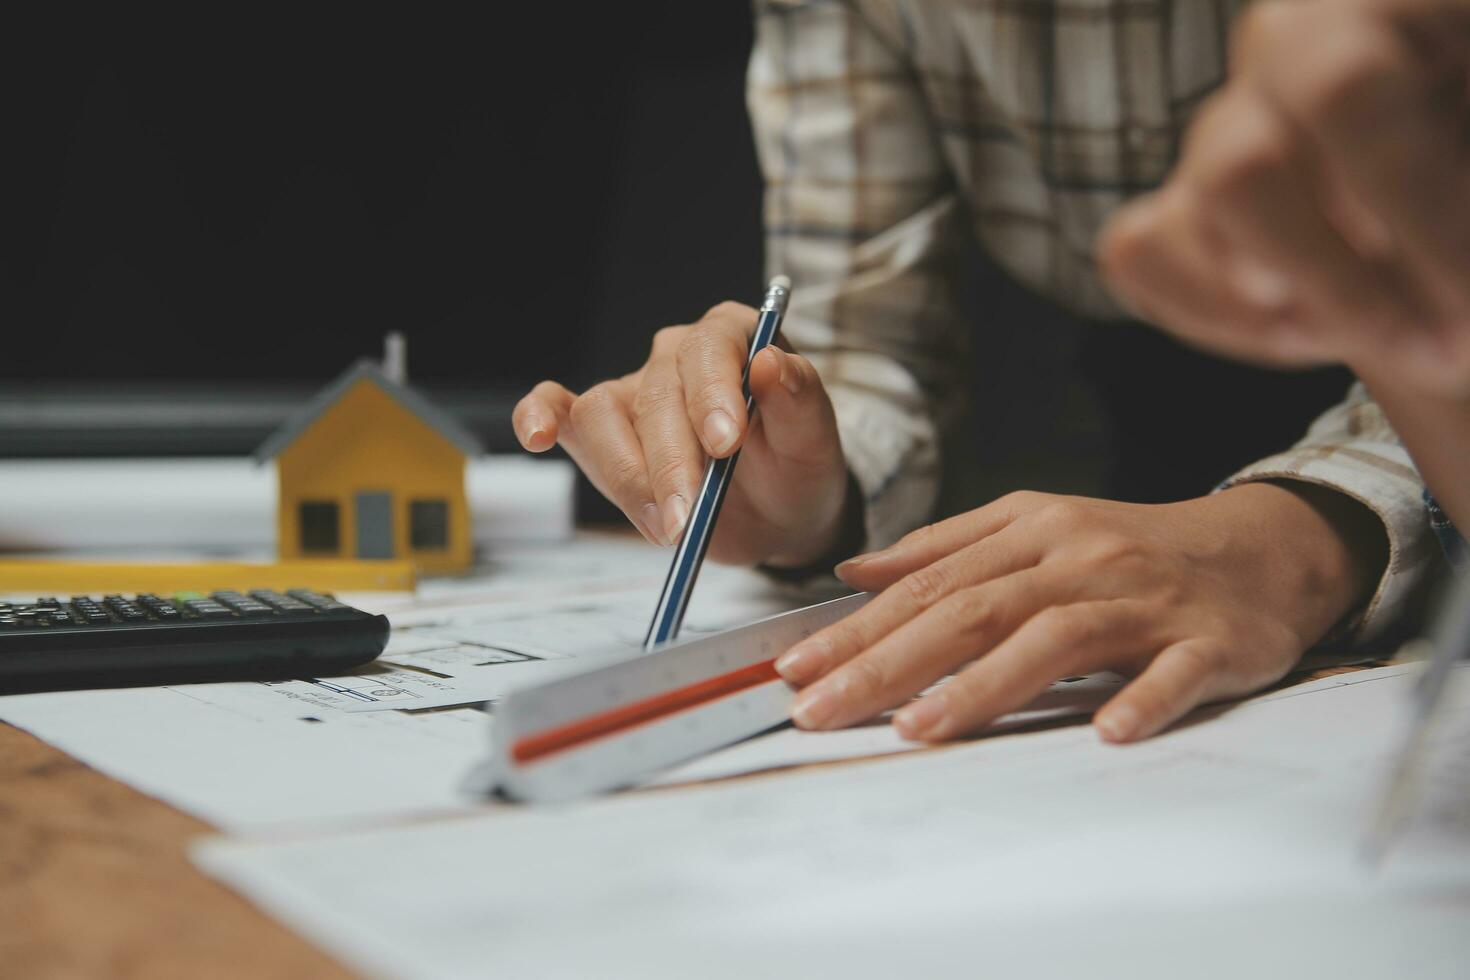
643	440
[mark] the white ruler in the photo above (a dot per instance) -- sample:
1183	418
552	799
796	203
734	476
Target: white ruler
608	727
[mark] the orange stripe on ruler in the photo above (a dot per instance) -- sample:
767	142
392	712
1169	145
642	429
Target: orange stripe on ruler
615	720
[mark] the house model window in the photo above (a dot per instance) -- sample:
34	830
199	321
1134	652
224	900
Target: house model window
428	525
319	527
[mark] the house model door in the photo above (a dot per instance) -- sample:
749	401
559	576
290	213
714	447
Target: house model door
374	525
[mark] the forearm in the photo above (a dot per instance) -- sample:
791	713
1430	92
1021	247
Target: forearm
1436	431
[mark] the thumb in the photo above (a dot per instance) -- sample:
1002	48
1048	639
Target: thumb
797	425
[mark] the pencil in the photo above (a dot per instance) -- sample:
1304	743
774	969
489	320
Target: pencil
689	555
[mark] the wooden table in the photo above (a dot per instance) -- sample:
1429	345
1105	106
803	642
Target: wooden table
95	882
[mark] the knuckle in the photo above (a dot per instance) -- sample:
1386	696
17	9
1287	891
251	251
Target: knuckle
668	472
594	402
545	389
1025	499
1063	515
693	351
926	586
843	640
967	613
653	396
1058	627
864	677
1112	548
727	309
666	340
625	477
1204	659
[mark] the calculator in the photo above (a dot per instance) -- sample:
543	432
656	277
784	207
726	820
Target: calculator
150	639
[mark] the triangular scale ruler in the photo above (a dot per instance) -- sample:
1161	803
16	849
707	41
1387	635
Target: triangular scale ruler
612	726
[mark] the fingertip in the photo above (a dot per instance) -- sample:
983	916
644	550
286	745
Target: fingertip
861	577
719	433
775	372
924	720
871	572
538	437
1117	723
766	368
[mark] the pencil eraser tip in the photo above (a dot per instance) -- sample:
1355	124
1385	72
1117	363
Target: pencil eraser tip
781	282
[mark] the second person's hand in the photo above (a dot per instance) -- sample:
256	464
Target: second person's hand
643	440
1199	600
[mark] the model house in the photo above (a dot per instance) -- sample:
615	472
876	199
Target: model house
371	469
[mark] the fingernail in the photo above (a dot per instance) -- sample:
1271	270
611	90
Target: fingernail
719	433
801	663
678	515
1261	286
653	522
851	563
922	718
1118	724
814	707
532	427
790	377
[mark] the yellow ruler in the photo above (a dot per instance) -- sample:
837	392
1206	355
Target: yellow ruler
43	576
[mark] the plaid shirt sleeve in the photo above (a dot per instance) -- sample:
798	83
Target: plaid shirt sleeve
861	213
1352	448
890	131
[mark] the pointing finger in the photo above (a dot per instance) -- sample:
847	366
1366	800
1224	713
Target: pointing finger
541	415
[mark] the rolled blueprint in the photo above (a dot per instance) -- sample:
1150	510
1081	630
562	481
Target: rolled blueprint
228	504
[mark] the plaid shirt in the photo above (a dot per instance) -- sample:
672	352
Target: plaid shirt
890	130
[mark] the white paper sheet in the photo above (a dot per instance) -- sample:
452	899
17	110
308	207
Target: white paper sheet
1221	849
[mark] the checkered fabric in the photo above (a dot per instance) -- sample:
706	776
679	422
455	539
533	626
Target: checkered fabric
890	131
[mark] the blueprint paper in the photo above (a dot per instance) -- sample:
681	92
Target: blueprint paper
266	756
228	503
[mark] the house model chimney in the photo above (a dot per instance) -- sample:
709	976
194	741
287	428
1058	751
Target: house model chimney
395	358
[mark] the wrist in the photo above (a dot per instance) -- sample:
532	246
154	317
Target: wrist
843	538
1316	553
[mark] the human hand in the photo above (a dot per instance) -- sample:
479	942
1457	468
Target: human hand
642	440
1321	208
1202	600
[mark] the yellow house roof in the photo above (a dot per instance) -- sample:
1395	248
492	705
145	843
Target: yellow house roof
367	370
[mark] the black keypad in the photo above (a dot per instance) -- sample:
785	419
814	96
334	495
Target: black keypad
80	611
188	636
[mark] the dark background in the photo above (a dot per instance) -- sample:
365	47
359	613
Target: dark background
262	199
208	219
